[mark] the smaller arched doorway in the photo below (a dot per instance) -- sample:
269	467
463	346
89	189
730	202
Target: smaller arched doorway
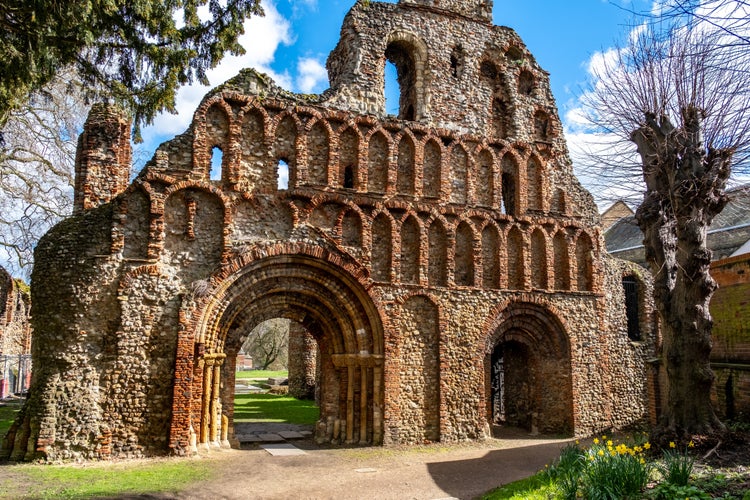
528	372
329	303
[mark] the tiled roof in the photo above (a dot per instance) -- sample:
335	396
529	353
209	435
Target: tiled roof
625	233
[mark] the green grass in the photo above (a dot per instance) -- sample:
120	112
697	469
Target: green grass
102	479
273	408
262	374
8	412
536	487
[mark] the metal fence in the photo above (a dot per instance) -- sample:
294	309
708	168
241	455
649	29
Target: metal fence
15	376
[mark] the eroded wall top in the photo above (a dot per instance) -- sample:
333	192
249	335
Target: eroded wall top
479	9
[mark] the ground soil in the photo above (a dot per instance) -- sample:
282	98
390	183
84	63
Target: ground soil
423	472
729	457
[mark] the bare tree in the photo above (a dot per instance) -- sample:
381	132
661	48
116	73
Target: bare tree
730	18
37	159
680	95
268	342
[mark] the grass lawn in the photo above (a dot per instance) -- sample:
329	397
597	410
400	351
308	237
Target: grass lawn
102	479
273	408
8	411
261	374
536	487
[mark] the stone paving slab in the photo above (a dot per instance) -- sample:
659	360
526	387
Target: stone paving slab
291	435
270	438
249	439
283	450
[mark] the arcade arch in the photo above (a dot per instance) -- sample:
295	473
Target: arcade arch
332	305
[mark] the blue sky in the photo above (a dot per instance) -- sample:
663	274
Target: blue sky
293	40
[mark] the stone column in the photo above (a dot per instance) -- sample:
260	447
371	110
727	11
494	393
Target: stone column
216	401
207	390
302	362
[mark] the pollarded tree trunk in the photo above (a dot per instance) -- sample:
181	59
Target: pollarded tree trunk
685	190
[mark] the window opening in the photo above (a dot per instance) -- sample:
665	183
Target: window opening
217	157
541	126
401	55
457	61
282	179
630	286
526	83
348	177
392	90
509	195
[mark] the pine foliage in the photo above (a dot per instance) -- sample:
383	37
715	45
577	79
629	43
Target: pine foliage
135	52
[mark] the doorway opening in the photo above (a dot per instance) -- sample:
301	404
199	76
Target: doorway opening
275	383
528	373
512	384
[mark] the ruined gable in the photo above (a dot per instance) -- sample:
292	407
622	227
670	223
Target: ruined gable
445	262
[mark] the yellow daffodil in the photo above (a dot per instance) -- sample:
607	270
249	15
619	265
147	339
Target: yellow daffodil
672	445
691	444
647	446
596	440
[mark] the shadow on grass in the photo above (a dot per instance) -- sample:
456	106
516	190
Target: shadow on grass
274	408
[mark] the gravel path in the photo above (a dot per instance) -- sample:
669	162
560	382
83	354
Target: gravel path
423	472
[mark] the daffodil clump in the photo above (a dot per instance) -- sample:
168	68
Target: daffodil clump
610	469
615	470
677	465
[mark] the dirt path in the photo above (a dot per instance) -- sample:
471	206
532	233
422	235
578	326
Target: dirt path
425	472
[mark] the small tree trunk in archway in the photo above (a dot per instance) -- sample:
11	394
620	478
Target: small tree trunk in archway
685	191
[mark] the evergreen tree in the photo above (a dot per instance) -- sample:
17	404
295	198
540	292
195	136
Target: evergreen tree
135	52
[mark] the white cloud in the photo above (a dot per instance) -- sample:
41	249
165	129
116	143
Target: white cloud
607	164
312	75
262	37
600	61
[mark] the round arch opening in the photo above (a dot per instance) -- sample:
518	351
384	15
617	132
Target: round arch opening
528	372
332	307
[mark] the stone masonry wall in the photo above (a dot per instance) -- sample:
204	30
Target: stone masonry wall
730	355
414	250
15	329
15	335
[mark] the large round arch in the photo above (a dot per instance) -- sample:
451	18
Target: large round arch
528	370
331	303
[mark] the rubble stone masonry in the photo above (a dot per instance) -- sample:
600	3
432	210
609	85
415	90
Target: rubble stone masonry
15	335
446	261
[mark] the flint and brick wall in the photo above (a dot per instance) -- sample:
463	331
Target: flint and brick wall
410	249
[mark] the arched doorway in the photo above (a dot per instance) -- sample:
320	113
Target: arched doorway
528	372
330	303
